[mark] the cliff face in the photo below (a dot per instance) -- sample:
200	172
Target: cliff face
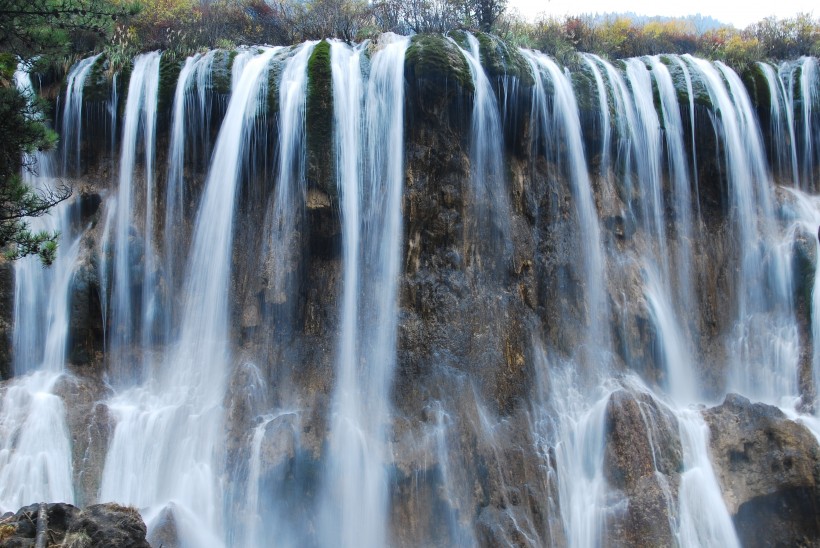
550	338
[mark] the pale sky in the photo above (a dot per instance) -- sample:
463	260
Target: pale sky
738	13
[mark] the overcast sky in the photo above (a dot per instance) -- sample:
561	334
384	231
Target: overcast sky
738	13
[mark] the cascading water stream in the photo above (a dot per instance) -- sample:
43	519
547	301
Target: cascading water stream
563	120
351	498
166	443
703	518
680	283
782	126
369	147
588	504
72	121
810	96
35	447
140	119
286	222
491	234
603	108
577	401
690	92
194	72
764	344
646	150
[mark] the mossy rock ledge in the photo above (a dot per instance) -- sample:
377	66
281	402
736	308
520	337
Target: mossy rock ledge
319	120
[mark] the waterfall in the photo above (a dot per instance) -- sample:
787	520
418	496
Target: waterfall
704	519
418	401
369	147
586	501
179	410
563	120
764	342
782	126
646	139
681	195
72	121
286	223
134	254
491	234
810	96
194	72
603	109
35	447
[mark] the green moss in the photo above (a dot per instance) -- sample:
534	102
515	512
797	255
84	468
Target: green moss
586	89
434	57
755	82
699	91
123	79
319	119
274	77
169	68
221	71
98	84
500	60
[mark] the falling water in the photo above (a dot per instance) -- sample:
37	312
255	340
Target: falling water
368	137
168	431
704	519
35	447
681	194
287	221
563	120
586	500
687	78
810	96
352	499
129	249
175	187
491	213
603	108
764	345
784	156
194	72
646	151
72	122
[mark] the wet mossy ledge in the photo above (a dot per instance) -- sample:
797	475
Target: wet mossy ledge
500	60
319	119
438	80
435	58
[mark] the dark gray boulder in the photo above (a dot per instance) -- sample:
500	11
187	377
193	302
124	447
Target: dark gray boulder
768	467
643	459
66	526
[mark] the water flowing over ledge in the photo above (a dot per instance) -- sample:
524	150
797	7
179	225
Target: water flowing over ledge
426	291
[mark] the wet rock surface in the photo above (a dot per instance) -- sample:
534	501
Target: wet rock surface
90	426
63	525
163	532
769	470
643	459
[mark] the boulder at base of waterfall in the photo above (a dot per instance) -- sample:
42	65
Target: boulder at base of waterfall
769	470
643	460
164	529
99	526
